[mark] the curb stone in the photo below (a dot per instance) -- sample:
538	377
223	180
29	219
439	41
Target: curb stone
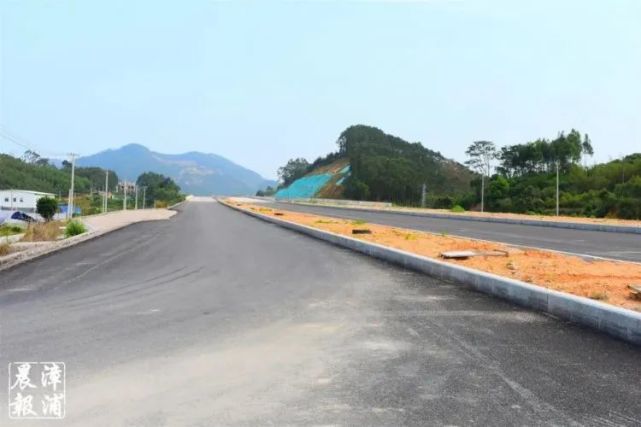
14	259
21	257
616	321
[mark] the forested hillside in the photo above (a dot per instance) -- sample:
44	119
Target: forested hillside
33	172
37	176
382	167
386	167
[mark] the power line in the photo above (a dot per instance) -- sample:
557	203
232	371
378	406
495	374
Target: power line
24	143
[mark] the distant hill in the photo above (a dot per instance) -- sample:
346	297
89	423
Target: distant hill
373	165
195	173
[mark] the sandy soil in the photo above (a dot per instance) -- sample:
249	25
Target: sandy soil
602	280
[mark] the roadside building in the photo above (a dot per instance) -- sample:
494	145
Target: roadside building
20	200
131	187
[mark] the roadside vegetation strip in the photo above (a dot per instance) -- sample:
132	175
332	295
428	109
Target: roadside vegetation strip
577	223
598	297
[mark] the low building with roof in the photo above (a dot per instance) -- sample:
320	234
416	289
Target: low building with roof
21	200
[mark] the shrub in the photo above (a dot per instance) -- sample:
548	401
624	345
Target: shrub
457	208
47	207
443	202
74	228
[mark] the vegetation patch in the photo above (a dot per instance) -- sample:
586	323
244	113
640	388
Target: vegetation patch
5	249
457	209
74	228
10	229
42	232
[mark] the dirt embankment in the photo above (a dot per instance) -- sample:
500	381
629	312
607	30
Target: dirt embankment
602	280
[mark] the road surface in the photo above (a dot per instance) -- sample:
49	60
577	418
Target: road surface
621	246
216	318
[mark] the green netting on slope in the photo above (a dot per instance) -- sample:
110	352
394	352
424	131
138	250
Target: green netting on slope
305	187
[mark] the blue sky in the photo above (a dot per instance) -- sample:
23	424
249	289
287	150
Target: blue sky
260	82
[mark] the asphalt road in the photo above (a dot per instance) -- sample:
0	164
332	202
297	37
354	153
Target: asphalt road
596	243
216	318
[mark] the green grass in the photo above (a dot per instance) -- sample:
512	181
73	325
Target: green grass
74	228
457	208
9	229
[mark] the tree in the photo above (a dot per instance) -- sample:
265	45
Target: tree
159	188
481	154
587	146
47	207
267	192
34	158
294	169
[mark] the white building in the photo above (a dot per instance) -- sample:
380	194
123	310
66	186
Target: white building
20	200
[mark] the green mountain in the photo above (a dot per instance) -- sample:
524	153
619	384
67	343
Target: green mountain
373	165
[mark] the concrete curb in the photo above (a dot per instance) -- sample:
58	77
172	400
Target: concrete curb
175	205
17	258
13	260
536	222
619	322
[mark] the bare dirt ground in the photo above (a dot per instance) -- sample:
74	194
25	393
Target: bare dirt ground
602	280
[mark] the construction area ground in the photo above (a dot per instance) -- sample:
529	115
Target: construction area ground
608	281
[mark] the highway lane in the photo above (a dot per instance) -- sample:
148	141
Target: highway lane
216	318
621	246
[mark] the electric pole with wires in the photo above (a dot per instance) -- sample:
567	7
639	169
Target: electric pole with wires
71	189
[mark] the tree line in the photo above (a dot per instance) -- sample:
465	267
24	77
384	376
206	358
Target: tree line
524	179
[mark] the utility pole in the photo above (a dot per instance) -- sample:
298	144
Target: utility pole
124	200
423	190
71	189
483	191
136	191
105	203
144	195
557	188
